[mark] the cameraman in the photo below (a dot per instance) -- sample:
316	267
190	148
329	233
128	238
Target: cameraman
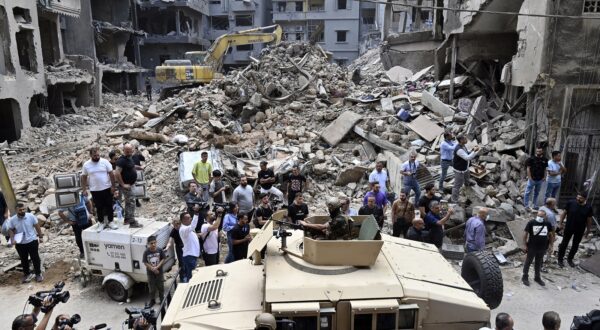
28	321
142	324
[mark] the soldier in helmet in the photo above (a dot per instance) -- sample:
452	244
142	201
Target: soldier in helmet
337	227
265	321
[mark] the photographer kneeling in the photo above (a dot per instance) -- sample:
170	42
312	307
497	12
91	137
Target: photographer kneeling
28	321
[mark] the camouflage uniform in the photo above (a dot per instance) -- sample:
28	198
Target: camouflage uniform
129	200
338	228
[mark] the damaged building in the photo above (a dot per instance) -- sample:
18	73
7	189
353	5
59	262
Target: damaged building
544	66
69	78
22	83
117	45
173	28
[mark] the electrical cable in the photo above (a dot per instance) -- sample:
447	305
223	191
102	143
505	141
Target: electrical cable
493	12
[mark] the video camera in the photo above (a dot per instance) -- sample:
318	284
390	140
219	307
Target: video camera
136	313
75	318
55	293
225	207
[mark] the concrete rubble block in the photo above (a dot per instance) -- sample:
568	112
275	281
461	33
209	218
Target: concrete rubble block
517	229
335	132
352	174
513	191
246	128
387	105
510	247
435	105
321	169
501	146
296	106
475	194
256	100
459	215
399	74
426	128
205	115
489	159
432	159
464	105
260	117
320	156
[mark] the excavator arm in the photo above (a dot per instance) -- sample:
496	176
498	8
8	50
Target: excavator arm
216	52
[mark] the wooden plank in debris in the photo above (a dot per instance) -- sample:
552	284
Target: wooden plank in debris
335	132
117	133
155	121
376	140
592	264
426	128
517	229
458	81
435	105
420	74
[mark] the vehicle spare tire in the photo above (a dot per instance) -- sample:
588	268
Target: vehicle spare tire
481	270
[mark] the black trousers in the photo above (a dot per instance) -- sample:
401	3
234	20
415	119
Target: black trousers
400	227
103	201
210	259
538	256
29	250
77	231
577	235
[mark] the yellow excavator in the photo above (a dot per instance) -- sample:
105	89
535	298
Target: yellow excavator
200	67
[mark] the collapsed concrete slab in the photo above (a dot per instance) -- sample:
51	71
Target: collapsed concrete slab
335	132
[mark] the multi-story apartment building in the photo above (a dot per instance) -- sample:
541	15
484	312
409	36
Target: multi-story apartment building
236	15
172	29
338	26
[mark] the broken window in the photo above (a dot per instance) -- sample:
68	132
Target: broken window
10	125
299	6
591	7
243	20
26	50
316	30
341	4
281	6
219	22
49	37
6	66
244	47
215	2
341	36
316	5
21	15
299	36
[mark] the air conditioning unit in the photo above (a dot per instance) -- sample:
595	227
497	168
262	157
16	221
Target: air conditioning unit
66	181
68	186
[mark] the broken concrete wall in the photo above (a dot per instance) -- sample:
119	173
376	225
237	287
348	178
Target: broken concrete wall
22	76
472	22
50	34
116	12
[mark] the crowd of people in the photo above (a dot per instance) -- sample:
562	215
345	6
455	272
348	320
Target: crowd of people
197	232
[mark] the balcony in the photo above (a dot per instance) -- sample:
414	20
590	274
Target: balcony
175	39
242	5
289	16
197	5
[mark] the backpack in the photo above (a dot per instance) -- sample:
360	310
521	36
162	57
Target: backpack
591	321
80	213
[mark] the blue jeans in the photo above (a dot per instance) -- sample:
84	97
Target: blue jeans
445	165
411	183
536	186
189	264
552	189
229	258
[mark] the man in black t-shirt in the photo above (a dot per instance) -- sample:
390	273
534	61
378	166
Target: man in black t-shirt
536	238
372	209
263	212
126	176
240	235
266	179
579	220
154	258
175	239
426	199
536	174
298	210
296	184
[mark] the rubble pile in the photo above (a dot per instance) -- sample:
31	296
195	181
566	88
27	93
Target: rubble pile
293	106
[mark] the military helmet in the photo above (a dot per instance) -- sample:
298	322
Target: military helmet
333	203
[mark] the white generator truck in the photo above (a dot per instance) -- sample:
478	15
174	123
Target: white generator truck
117	255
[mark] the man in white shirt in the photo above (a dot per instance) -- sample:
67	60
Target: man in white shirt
379	175
191	244
98	177
555	171
409	176
460	163
210	233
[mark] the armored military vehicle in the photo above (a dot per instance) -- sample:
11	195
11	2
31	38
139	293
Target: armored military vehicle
373	281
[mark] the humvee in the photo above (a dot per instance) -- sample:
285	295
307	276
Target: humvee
373	281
